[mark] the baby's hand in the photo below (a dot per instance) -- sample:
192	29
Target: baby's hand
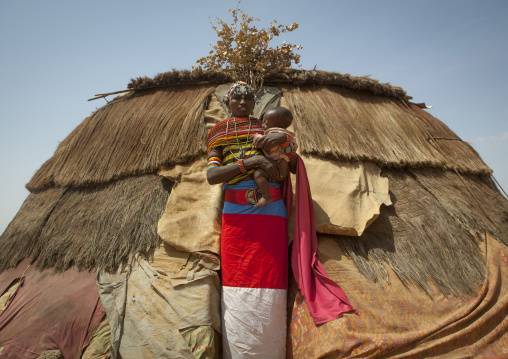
255	138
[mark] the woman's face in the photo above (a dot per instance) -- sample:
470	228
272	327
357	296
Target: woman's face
241	105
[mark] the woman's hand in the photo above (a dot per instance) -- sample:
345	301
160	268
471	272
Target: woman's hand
270	140
266	164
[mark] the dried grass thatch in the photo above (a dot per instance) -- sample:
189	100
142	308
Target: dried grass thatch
140	133
355	126
86	227
132	135
432	232
19	238
291	76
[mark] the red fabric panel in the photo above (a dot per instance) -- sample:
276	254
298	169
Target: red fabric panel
254	251
51	311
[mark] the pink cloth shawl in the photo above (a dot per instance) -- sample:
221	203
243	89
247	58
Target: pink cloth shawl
324	298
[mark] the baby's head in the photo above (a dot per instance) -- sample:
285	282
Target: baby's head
277	117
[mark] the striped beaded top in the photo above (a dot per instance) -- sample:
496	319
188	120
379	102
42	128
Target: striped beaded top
231	130
233	135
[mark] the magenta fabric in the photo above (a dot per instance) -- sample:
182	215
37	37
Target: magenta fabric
324	298
50	311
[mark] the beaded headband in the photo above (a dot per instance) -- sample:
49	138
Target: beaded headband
240	88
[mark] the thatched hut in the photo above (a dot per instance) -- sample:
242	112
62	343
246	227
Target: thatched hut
124	198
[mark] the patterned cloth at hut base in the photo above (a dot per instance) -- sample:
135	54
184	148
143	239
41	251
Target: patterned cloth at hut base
401	321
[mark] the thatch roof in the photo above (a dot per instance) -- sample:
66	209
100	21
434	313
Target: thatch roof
86	226
352	125
133	135
98	198
296	77
149	129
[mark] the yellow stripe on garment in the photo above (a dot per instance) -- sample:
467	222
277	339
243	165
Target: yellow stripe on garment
231	154
229	159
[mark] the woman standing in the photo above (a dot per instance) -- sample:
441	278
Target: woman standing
253	240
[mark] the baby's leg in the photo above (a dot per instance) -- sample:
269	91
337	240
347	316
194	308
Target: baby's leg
261	178
283	167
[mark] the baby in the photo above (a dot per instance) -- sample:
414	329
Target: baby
275	120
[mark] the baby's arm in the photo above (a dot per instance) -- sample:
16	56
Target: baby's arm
269	140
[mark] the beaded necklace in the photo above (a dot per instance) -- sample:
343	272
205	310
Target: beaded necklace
241	150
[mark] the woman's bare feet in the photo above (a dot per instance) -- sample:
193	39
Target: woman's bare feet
264	199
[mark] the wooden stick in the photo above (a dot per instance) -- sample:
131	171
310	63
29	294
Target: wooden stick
103	95
443	138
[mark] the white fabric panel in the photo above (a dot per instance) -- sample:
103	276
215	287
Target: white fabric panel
253	322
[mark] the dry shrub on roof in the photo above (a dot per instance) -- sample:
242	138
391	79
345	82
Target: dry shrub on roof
430	234
132	135
356	126
244	48
20	236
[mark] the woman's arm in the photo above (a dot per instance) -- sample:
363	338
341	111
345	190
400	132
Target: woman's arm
222	174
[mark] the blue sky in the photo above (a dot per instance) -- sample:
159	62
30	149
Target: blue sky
55	55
